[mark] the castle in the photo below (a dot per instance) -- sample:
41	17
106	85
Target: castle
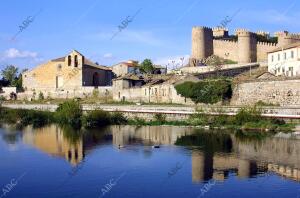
243	47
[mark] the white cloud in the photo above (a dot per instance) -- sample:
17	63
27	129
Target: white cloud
108	56
15	53
173	62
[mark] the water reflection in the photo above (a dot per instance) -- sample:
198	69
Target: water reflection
214	154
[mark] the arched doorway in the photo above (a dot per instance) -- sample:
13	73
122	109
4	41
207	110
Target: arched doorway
95	79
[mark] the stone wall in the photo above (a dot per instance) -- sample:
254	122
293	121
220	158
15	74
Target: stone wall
262	48
162	93
226	49
83	92
281	92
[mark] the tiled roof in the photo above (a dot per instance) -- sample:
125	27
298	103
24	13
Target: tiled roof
87	62
289	46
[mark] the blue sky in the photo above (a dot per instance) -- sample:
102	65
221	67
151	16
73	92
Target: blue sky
160	31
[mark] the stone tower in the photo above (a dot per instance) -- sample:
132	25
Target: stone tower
220	32
246	46
284	38
202	44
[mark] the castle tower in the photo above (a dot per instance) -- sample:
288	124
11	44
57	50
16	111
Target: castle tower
284	38
202	44
220	32
246	46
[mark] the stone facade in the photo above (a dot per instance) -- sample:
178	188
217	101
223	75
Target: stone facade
156	91
207	41
281	92
69	74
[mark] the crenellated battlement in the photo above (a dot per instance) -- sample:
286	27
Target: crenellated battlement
202	28
243	32
263	33
267	44
225	41
219	29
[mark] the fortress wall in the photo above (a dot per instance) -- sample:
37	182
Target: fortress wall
282	92
262	49
223	48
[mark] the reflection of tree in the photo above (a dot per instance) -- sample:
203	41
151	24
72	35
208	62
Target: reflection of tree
72	135
207	141
244	136
11	138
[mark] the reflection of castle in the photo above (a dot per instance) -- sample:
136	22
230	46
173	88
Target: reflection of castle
217	154
151	135
206	166
51	140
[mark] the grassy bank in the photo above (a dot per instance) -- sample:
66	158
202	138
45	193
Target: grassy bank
70	113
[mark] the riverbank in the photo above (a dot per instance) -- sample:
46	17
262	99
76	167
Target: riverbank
72	113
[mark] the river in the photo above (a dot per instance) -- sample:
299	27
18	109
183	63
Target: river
147	161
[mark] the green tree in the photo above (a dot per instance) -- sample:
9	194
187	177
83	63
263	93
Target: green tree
147	66
10	73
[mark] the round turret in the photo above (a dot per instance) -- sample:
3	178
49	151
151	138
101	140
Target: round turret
202	43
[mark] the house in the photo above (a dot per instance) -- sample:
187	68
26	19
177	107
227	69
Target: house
69	74
123	68
285	61
150	89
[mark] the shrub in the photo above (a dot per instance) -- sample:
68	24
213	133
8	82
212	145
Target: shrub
96	118
41	96
117	118
245	115
69	112
95	93
198	119
159	117
208	91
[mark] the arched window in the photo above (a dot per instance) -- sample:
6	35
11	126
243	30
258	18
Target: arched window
69	60
76	61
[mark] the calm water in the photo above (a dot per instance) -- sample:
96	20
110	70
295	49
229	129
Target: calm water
119	161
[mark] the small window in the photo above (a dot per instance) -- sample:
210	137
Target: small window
284	56
155	91
272	58
69	60
278	57
292	54
76	61
145	92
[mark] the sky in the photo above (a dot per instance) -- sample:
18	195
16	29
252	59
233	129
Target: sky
110	31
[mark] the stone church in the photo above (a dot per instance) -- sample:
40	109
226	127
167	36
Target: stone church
70	73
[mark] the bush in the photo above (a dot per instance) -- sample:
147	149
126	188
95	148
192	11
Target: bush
69	112
96	118
245	115
26	117
118	118
159	117
208	91
41	96
198	119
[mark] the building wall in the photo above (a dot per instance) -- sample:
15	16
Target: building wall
163	93
120	69
104	77
44	77
262	49
281	92
226	49
281	62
